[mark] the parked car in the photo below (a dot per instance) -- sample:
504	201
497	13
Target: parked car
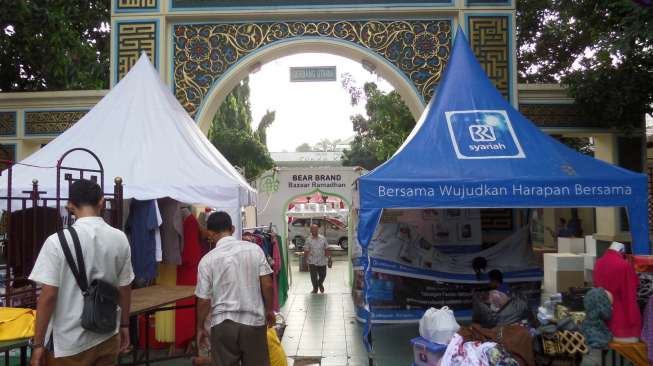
333	230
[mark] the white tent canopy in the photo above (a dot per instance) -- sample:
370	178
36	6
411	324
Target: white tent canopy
141	133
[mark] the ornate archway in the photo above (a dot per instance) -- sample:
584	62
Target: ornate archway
222	86
209	59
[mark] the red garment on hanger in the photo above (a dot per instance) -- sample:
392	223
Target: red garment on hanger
276	255
187	276
614	274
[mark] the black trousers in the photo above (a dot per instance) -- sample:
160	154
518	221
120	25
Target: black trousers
318	274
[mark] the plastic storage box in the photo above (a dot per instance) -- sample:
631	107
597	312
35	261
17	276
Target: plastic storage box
427	353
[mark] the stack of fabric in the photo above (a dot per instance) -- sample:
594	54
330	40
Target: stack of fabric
476	346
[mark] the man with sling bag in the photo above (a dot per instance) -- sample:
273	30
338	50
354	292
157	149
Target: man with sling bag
85	272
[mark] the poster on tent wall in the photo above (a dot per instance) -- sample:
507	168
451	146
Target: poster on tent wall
415	238
423	258
397	299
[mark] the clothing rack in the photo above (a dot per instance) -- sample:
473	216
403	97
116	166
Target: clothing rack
267	227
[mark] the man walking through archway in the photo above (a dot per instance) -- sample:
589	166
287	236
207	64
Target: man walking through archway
316	250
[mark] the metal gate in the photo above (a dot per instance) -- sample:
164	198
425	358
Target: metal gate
31	216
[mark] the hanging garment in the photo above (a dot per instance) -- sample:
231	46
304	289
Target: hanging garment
267	243
283	272
172	230
201	220
187	276
276	269
598	310
126	204
157	233
28	230
613	273
164	321
647	330
140	228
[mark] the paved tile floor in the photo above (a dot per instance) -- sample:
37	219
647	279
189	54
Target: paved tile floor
323	325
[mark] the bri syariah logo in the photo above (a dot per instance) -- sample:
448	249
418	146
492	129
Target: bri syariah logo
482	134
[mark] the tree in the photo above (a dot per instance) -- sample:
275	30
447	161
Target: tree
54	45
305	147
379	134
360	155
231	133
264	124
602	50
326	145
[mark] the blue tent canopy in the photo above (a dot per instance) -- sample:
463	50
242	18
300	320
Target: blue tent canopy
472	149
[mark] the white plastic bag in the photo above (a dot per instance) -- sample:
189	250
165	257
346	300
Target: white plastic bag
438	326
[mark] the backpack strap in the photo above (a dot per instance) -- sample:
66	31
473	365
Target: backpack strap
79	270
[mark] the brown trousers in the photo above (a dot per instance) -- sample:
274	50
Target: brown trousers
104	354
234	344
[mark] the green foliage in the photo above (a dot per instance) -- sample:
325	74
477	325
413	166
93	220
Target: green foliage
305	147
360	154
379	134
231	133
614	96
581	144
611	42
243	150
54	45
266	122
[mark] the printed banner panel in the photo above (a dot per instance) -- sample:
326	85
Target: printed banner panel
395	298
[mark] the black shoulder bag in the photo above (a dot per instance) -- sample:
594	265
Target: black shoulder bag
100	312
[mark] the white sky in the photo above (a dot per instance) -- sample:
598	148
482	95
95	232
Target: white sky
306	112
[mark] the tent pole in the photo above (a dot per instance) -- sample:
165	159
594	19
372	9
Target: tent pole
370	359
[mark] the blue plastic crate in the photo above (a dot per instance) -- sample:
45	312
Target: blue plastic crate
427	353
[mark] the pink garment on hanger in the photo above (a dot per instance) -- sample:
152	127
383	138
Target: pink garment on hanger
276	255
614	274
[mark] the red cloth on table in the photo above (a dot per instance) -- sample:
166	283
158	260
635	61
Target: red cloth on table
187	276
614	274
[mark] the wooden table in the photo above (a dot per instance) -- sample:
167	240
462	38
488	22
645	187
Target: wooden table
150	300
635	353
153	297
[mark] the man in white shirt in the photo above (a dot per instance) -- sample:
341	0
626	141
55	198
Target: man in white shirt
107	257
316	251
234	285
